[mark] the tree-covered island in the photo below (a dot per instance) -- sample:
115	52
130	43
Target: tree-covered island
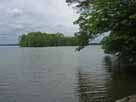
39	39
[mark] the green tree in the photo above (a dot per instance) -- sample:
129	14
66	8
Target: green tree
39	39
115	16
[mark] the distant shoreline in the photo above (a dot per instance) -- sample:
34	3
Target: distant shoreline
9	44
48	46
95	44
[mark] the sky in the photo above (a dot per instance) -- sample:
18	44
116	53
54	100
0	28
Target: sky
21	16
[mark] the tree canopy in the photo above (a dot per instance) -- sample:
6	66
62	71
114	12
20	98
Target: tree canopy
39	39
115	16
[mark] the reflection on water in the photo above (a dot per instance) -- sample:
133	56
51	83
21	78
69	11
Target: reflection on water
106	85
90	90
92	78
122	83
61	75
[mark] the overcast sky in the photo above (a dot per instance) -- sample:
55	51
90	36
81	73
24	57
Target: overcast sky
21	16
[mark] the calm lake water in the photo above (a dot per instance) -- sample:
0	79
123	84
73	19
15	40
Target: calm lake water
61	75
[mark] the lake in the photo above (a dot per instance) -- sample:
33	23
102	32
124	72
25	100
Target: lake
60	74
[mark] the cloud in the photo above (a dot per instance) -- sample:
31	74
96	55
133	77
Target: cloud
15	12
16	26
20	16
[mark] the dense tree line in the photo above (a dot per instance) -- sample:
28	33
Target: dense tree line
39	39
118	17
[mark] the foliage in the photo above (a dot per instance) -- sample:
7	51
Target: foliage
115	16
38	39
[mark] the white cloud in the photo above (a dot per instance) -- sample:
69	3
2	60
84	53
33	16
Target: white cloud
15	11
16	26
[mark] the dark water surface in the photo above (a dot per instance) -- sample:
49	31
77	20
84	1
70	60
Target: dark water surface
61	75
